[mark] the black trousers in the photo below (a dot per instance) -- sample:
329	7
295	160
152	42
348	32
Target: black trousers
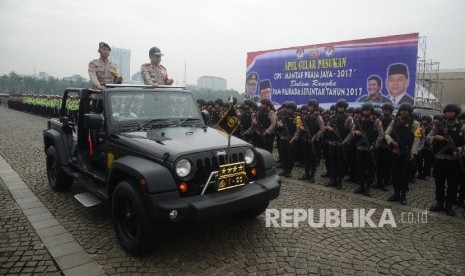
383	165
337	163
310	156
287	155
401	169
425	161
352	164
446	170
265	143
325	152
365	169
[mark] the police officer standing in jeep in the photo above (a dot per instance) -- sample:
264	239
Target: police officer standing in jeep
446	140
153	73
403	136
102	70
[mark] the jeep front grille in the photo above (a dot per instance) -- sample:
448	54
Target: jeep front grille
205	166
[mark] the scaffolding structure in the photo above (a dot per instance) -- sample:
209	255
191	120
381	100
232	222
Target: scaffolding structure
428	87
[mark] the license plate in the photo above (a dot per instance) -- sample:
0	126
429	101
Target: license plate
230	176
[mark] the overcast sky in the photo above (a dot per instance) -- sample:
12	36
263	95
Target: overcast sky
213	37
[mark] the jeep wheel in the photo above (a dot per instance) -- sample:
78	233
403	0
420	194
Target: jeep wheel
135	231
252	212
57	177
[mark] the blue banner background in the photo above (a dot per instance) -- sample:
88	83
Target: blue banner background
348	81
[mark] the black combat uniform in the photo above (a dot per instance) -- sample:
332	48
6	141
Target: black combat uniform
383	152
287	127
447	157
404	131
310	132
339	128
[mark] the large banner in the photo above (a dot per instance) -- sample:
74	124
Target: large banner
377	70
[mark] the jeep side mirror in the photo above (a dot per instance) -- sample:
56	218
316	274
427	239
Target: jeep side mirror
92	121
205	116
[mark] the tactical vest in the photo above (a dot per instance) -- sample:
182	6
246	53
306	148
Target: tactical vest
310	121
339	122
404	131
367	126
386	121
262	118
454	131
246	120
290	123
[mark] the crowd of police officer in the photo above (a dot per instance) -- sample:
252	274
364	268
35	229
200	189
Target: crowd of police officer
44	105
375	149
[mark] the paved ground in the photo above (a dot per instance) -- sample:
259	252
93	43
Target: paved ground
227	246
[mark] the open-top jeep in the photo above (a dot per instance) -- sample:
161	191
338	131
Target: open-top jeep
149	152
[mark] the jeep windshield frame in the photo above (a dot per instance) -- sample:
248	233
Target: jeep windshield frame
129	109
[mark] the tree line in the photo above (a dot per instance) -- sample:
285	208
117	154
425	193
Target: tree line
14	83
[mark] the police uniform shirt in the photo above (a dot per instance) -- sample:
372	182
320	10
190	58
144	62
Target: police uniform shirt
102	72
153	74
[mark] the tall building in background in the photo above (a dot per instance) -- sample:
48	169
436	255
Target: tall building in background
213	83
122	57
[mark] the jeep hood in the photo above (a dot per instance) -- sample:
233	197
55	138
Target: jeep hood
179	140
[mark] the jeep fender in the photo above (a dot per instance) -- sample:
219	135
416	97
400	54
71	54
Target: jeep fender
54	138
265	161
158	179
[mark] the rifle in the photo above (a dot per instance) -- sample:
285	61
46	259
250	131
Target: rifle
405	151
310	140
450	144
339	139
365	139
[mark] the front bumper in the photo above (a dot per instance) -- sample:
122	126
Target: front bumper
213	205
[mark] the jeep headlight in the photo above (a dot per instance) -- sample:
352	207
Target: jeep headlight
249	156
183	168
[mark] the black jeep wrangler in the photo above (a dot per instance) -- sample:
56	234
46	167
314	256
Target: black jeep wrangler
149	152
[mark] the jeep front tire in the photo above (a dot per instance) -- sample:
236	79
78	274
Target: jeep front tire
134	230
58	179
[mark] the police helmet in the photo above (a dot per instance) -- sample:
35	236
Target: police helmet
407	107
358	110
249	103
342	103
453	107
267	102
291	104
426	118
351	109
314	103
332	107
367	106
438	117
388	106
